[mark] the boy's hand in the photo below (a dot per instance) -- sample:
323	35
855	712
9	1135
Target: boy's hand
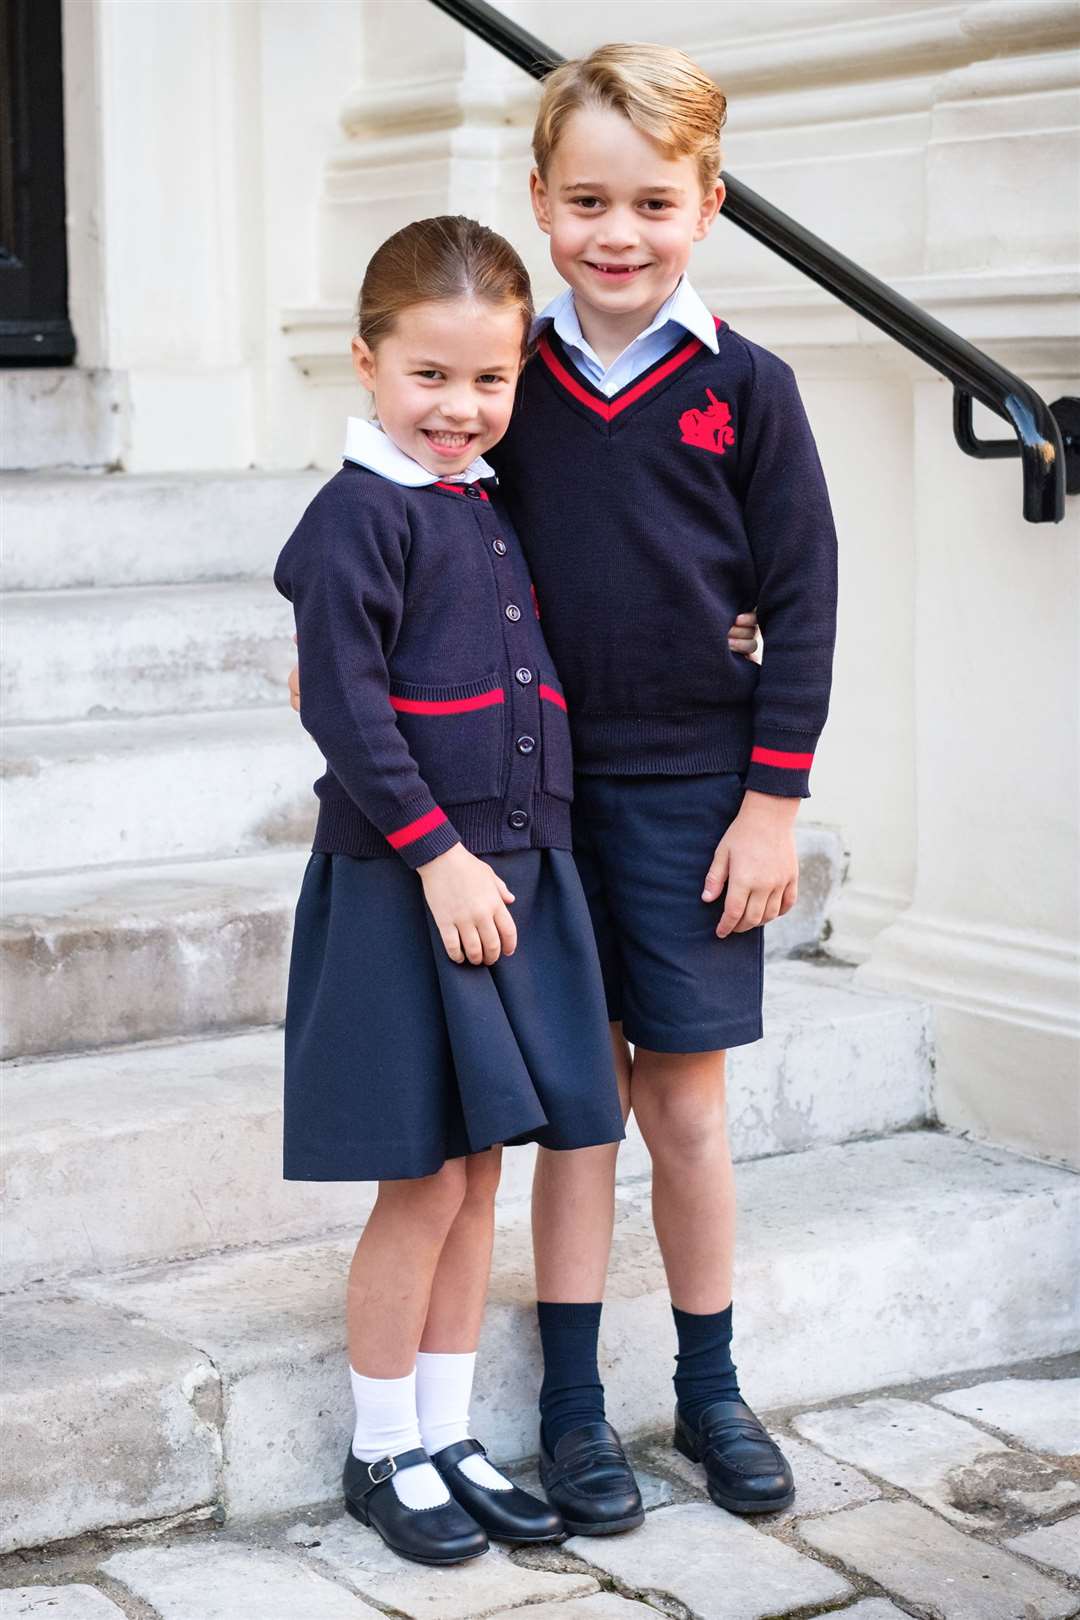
294	684
468	902
743	637
758	861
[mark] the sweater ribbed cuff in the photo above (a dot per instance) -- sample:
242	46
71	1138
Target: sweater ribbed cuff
780	764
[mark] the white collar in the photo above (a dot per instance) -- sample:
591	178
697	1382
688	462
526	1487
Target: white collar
684	306
367	444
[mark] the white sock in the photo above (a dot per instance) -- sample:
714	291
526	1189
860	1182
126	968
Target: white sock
443	1391
386	1424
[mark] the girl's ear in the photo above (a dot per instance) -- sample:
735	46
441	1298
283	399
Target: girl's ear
541	203
711	204
363	360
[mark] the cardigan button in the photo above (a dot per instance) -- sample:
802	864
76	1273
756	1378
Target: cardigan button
513	612
473	493
498	546
523	676
525	745
518	819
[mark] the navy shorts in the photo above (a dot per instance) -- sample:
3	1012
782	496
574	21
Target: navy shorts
643	845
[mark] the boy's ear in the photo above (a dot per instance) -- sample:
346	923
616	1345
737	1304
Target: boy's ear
541	203
711	204
363	360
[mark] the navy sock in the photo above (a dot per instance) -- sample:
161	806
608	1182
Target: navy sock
704	1370
571	1393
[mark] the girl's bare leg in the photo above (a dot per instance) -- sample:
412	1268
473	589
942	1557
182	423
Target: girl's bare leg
460	1285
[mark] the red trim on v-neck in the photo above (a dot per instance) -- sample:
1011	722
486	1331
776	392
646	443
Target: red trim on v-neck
609	409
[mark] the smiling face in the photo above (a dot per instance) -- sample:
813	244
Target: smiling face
622	217
443	379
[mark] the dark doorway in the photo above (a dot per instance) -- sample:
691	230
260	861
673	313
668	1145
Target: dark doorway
34	325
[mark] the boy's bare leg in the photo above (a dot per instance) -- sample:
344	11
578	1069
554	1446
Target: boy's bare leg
679	1103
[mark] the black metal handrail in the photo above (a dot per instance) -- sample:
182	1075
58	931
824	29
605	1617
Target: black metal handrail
1047	437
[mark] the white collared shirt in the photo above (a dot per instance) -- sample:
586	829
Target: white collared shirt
682	312
369	446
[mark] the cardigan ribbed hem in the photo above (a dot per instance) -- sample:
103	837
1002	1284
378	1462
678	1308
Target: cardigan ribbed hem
483	828
693	744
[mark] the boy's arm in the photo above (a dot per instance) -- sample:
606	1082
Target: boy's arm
790	528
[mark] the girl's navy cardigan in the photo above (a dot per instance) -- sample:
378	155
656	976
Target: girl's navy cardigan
424	676
650	520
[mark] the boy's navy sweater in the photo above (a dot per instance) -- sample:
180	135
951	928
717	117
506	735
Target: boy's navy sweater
650	520
424	676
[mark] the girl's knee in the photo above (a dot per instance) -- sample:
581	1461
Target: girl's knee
432	1199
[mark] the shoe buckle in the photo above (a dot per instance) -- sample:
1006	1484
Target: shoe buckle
383	1462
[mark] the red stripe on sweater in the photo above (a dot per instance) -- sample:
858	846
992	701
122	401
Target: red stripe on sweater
416	829
610	410
484	700
549	695
785	762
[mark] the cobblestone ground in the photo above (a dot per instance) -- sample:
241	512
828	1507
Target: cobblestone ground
958	1500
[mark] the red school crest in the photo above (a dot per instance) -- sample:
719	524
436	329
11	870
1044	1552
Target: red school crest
709	429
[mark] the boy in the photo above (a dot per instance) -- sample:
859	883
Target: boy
663	476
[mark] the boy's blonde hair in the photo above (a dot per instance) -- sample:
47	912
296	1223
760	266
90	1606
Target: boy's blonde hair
658	88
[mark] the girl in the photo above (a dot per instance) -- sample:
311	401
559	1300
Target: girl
421	1031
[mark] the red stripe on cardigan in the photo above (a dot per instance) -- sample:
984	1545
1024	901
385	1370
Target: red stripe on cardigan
606	410
549	694
484	700
785	762
416	829
459	489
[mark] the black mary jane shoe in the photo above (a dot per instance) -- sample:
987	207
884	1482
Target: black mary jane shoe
745	1470
589	1480
436	1535
513	1516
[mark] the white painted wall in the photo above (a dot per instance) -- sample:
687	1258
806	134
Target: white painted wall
239	160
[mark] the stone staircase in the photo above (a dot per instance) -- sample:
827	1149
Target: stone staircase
173	1328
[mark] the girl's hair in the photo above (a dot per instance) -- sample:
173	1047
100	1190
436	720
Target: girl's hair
659	89
434	260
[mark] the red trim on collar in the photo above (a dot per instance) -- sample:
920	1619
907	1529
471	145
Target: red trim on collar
608	409
459	489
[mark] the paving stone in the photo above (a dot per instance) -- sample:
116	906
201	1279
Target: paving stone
822	1485
57	1603
1055	1544
90	1396
602	1606
200	1580
925	1562
682	1551
909	1444
1043	1413
870	1609
358	1556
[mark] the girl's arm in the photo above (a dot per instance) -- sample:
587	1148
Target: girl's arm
344	572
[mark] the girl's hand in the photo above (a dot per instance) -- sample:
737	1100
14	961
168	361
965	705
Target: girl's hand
468	902
743	637
758	861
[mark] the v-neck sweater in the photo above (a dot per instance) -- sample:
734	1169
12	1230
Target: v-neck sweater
650	520
424	675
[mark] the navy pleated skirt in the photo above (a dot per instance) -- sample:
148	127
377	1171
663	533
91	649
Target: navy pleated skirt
397	1059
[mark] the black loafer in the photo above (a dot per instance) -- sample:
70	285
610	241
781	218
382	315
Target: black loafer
746	1472
435	1535
589	1480
512	1515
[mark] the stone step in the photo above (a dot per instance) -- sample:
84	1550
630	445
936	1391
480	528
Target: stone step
223	1379
194	1130
165	787
62	416
140	953
68	530
153	649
